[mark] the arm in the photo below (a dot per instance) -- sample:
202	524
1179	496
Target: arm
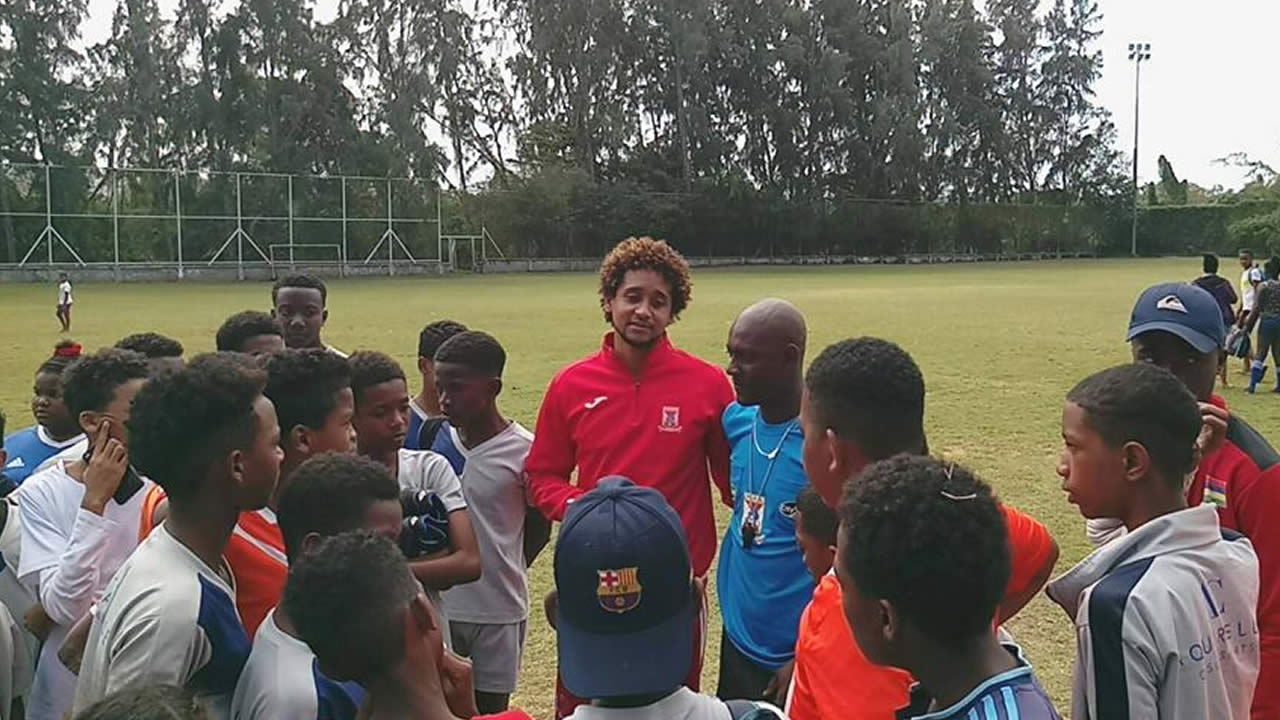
717	445
461	565
1033	553
537	533
551	459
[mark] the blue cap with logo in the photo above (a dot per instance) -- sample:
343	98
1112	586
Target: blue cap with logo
1184	310
625	611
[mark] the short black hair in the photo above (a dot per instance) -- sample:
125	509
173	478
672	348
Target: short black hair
90	382
240	327
64	353
929	537
1246	252
1145	404
476	350
1272	267
369	368
1210	263
820	521
152	345
186	420
328	494
870	391
300	280
346	597
435	334
154	702
303	385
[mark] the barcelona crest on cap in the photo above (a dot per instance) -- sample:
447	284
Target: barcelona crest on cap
619	590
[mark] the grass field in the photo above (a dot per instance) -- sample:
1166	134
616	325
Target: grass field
999	345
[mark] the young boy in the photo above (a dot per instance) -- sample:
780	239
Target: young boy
63	308
425	421
311	391
168	615
1165	616
327	495
381	420
163	353
863	402
250	332
922	561
355	603
78	523
488	618
300	302
816	526
625	610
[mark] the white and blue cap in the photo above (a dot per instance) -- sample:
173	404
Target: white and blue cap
1184	310
625	611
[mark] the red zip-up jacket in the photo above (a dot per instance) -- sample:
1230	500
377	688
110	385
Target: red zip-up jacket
1242	478
662	431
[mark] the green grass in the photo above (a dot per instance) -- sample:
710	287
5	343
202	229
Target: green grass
999	345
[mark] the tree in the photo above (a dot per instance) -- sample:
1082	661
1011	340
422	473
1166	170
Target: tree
1173	189
1018	55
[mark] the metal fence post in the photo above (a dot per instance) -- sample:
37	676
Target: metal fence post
342	268
177	204
115	222
239	233
291	261
48	210
391	250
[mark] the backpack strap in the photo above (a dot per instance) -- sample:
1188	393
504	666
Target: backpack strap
427	433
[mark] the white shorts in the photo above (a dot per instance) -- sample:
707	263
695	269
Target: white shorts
495	652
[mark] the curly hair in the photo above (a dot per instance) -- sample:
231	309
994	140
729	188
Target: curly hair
303	385
184	421
152	345
300	280
90	382
329	494
1145	404
64	353
435	334
346	598
645	253
476	350
818	520
929	537
156	702
244	325
871	392
369	368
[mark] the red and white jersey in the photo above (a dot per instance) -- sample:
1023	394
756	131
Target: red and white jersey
258	561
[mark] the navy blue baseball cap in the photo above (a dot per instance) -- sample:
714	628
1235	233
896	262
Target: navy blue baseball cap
1185	310
625	611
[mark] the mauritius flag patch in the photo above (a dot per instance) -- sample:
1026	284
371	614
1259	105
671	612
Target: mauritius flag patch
1215	492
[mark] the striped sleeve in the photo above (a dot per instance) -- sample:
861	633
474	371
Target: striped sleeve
1117	677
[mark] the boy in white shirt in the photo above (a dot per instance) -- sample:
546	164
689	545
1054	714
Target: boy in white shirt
327	495
488	618
63	308
169	615
80	519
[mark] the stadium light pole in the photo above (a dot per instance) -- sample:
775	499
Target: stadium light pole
1138	53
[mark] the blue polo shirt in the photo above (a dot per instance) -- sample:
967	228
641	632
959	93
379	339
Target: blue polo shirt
764	589
30	447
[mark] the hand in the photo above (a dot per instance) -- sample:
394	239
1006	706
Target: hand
38	622
459	685
72	651
1213	432
106	470
776	690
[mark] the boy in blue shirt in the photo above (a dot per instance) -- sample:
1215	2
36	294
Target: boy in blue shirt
923	559
762	580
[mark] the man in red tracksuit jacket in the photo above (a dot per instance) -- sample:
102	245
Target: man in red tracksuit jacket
639	408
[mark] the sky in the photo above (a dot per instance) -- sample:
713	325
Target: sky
1210	87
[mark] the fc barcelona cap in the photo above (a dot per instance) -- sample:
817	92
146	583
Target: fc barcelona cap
625	611
1184	310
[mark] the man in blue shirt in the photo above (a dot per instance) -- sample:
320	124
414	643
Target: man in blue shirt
763	582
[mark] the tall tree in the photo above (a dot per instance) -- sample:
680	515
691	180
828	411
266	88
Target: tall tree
1018	54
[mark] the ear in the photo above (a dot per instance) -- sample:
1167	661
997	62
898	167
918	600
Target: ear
89	421
890	621
324	316
831	451
235	468
299	440
792	354
495	386
426	366
310	541
1137	462
4	458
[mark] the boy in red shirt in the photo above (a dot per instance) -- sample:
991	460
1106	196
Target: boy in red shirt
864	402
638	407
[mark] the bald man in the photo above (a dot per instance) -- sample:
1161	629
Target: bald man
763	582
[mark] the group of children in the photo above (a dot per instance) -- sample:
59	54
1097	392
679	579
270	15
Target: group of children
313	542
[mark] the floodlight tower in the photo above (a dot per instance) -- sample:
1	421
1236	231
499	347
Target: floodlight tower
1138	53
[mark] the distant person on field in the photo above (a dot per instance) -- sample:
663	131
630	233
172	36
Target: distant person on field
864	402
1221	290
63	308
638	407
164	354
55	429
626	610
762	581
300	303
1178	328
1164	616
923	562
250	332
1250	278
1266	316
353	600
425	421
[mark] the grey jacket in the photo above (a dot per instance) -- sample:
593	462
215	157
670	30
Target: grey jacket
1165	622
